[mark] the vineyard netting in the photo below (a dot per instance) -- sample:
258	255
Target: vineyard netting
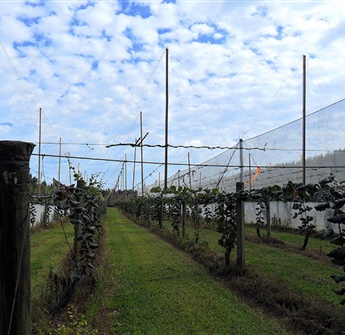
275	157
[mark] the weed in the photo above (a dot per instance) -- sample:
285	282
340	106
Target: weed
75	324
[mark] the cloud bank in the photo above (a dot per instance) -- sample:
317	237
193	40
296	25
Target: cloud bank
235	71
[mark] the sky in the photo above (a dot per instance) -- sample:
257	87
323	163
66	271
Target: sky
96	68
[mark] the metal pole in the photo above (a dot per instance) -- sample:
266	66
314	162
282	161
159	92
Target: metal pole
250	174
304	120
142	154
69	168
190	177
166	118
134	163
241	160
39	150
125	172
59	162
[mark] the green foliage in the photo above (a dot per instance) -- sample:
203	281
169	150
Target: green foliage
76	325
85	210
209	205
260	217
301	211
226	220
33	214
85	207
336	200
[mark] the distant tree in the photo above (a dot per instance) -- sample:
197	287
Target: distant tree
33	184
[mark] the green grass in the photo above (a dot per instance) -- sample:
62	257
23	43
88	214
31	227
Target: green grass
306	275
296	240
48	250
156	289
147	286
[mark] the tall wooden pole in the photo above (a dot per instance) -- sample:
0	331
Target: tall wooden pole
304	119
15	280
166	117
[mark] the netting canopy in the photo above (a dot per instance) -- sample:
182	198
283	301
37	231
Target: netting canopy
276	156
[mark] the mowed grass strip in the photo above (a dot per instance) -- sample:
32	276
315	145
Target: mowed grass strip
308	276
160	290
316	244
48	251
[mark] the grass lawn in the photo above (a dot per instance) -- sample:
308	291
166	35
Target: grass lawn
146	286
309	276
156	289
48	250
316	244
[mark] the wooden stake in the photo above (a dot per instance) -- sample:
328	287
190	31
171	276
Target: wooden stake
240	227
15	280
184	218
268	216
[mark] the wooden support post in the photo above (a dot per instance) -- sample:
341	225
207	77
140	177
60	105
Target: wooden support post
15	280
240	226
184	218
160	216
268	216
148	211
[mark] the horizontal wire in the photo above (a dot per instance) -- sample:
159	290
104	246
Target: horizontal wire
171	146
194	164
265	148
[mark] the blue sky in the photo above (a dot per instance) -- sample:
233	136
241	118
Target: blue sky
235	71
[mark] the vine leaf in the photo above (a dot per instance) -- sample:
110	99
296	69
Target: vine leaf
340	291
338	278
337	219
338	240
337	253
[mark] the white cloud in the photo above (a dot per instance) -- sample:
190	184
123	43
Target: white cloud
235	70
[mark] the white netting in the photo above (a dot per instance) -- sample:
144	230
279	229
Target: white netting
275	157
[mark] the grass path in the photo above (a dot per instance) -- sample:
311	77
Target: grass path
156	289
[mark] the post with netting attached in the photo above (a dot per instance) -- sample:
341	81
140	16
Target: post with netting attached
240	224
15	280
